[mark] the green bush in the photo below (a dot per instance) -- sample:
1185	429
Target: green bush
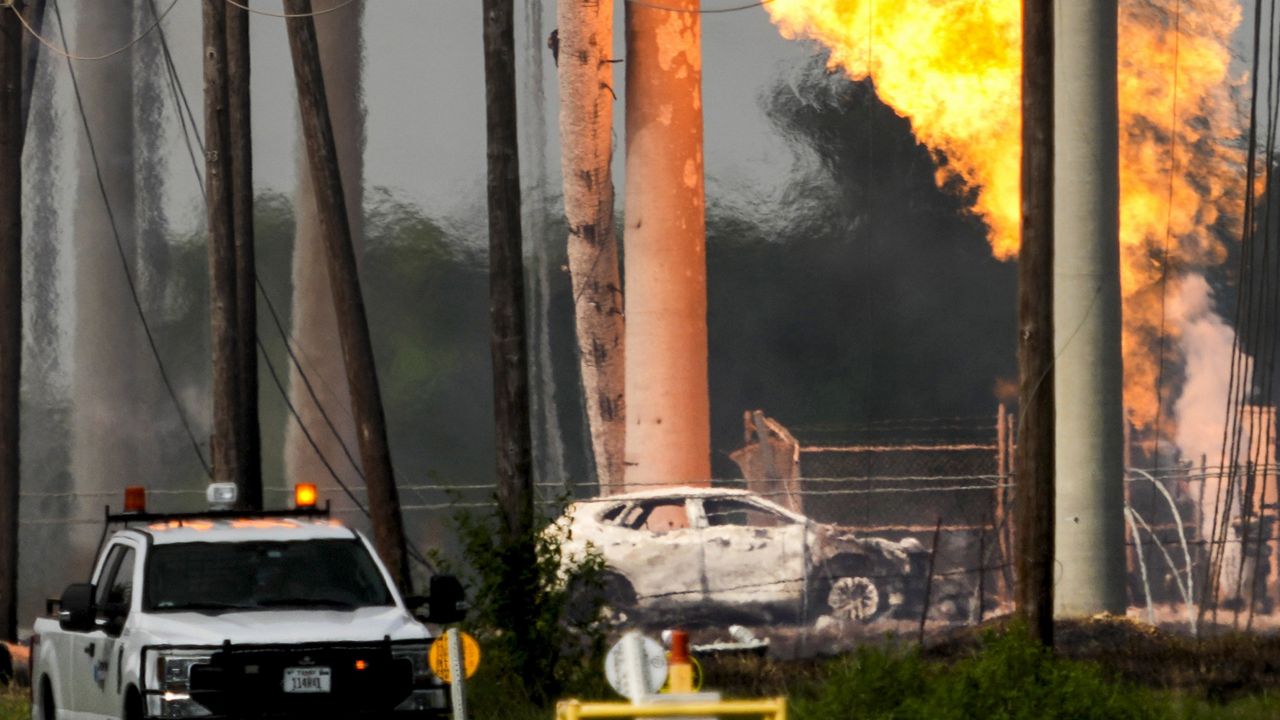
1010	678
522	592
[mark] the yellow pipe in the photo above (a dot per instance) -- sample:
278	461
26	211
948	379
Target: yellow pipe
774	709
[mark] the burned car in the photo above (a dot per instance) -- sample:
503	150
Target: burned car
734	553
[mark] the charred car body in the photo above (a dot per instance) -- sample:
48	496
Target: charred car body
725	552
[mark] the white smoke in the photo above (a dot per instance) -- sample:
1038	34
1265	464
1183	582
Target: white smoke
1206	342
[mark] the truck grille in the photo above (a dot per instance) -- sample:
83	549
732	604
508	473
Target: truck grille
245	681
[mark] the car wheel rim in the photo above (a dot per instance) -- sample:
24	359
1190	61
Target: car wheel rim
854	597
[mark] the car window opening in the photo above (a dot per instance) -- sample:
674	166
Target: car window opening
729	512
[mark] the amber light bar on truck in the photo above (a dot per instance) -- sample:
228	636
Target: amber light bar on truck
221	496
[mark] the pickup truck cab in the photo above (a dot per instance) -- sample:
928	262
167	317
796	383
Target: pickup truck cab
234	615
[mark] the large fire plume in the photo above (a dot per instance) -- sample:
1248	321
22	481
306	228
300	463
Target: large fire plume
953	68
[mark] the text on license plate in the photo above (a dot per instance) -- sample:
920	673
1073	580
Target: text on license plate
306	680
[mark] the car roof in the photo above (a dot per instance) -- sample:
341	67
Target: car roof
672	492
278	529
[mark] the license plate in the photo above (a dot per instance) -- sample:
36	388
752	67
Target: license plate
306	680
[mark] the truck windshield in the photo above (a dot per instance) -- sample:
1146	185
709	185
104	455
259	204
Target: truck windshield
208	576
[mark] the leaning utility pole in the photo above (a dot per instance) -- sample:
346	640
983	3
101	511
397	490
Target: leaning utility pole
1035	467
227	412
240	144
10	310
506	275
348	301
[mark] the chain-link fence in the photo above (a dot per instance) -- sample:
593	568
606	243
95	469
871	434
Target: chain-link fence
848	541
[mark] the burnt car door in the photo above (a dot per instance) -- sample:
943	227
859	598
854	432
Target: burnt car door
754	553
659	551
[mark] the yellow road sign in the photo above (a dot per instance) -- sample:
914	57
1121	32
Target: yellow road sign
439	656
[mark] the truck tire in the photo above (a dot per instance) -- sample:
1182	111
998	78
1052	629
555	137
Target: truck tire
48	711
133	709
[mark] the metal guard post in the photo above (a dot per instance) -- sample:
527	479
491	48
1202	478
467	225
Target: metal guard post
773	709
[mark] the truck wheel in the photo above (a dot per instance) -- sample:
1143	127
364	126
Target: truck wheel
132	705
47	709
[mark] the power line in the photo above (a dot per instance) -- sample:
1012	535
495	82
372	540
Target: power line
315	13
124	260
64	52
699	11
180	101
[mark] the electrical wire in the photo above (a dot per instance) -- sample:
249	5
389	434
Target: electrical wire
699	11
287	16
124	260
64	52
181	103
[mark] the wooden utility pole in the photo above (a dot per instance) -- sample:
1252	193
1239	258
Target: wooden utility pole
1035	466
246	328
227	412
585	52
506	275
10	311
348	301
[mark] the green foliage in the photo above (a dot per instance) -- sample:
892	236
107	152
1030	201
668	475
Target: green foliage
526	597
1012	677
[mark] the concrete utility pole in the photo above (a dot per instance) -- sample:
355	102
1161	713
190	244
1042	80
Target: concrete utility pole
506	275
1089	527
1035	466
240	144
348	300
668	407
227	411
34	13
11	121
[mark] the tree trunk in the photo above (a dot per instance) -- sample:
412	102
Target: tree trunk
348	300
668	411
506	275
585	37
315	327
11	122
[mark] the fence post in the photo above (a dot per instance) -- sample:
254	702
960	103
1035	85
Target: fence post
928	582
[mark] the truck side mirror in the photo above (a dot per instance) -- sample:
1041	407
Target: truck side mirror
76	612
446	603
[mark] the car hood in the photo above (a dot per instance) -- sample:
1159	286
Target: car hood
277	627
833	539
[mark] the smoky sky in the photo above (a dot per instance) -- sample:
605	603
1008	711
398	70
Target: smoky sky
868	293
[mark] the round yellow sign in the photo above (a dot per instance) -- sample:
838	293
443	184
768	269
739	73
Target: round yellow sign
439	656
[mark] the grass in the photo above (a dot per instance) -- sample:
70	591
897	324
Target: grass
999	675
14	704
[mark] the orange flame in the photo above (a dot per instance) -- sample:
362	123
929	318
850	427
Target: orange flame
953	68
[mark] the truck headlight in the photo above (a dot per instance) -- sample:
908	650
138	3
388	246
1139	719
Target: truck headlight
174	671
169	684
417	655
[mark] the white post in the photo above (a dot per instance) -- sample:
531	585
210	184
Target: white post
637	669
1089	374
457	675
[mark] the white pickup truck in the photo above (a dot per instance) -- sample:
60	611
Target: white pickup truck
225	614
